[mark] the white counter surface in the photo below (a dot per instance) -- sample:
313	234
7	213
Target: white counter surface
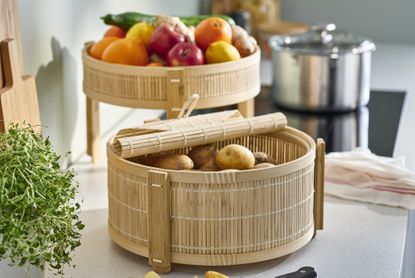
359	240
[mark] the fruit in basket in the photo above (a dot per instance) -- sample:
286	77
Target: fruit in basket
242	41
114	31
174	21
99	47
214	274
157	59
211	30
128	19
155	64
220	52
142	31
185	54
174	162
126	51
235	156
203	155
164	38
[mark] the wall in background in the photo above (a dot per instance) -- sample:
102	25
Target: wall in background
53	34
381	20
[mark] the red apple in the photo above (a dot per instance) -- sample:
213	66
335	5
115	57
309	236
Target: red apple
185	54
164	38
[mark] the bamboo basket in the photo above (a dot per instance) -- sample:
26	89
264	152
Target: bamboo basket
219	218
167	87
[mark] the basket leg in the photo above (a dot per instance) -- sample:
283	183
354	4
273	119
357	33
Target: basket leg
247	108
319	185
92	128
159	254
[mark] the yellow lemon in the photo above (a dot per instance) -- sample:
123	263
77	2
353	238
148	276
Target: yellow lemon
221	51
142	31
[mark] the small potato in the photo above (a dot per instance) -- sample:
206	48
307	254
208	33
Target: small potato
235	157
263	165
174	162
150	159
261	157
209	167
203	155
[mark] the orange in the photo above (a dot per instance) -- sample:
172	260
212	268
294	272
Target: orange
211	30
114	31
98	48
127	52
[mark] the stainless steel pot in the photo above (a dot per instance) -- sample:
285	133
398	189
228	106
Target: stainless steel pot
321	70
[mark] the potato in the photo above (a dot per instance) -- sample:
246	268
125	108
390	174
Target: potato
263	165
203	155
150	159
261	157
209	167
235	157
174	162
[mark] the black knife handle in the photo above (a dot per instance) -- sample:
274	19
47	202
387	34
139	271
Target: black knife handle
304	272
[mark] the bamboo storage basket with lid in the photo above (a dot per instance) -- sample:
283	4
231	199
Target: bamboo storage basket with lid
215	218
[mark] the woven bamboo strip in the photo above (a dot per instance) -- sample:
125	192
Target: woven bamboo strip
198	120
169	140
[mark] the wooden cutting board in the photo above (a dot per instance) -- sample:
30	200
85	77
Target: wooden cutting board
18	97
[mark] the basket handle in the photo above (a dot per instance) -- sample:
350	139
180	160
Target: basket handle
319	185
188	106
159	249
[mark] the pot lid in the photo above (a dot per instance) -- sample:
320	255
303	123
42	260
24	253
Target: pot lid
322	39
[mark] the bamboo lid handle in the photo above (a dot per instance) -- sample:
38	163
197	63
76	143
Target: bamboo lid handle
188	106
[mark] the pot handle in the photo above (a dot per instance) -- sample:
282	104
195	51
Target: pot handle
319	185
323	31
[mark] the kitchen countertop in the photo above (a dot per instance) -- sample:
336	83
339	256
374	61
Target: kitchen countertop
358	240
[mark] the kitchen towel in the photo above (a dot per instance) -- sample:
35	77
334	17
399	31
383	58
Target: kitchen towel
363	176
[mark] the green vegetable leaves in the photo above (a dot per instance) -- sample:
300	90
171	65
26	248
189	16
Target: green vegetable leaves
39	221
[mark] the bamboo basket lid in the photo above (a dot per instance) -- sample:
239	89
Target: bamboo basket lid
142	144
171	124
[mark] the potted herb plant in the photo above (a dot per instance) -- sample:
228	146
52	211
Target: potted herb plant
39	222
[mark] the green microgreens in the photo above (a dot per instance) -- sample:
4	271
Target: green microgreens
39	223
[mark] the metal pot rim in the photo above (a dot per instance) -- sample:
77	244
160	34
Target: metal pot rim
276	43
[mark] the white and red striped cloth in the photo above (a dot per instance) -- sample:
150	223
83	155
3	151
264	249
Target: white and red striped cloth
363	176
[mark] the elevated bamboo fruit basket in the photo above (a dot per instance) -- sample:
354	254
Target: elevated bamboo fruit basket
168	87
215	218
